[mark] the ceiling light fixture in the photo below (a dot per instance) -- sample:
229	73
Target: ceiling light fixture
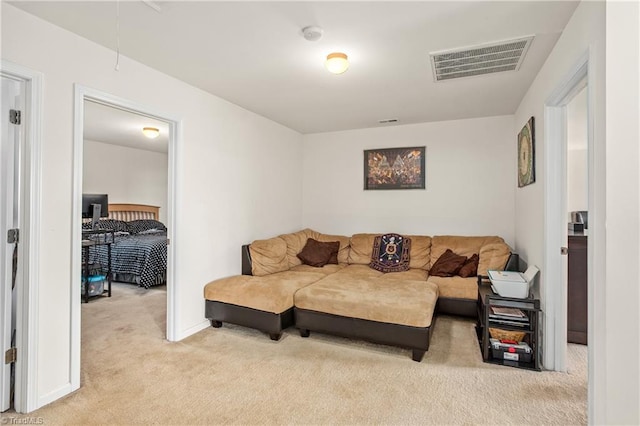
151	132
337	62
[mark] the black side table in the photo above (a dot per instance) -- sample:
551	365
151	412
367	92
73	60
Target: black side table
91	262
530	307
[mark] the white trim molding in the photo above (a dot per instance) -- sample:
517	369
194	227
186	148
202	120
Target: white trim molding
555	224
55	395
26	390
193	330
82	94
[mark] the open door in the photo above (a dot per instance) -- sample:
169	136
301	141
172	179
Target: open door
12	100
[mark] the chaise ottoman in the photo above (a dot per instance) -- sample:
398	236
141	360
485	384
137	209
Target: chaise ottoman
392	312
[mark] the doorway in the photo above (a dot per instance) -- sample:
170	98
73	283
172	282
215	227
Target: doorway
556	213
578	221
580	77
83	96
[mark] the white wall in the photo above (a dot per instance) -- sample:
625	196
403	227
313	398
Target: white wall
238	177
128	175
577	155
471	180
621	394
613	377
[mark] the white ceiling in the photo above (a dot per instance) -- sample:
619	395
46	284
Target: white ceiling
117	127
253	53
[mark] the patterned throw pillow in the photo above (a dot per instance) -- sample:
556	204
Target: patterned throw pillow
390	253
137	226
112	225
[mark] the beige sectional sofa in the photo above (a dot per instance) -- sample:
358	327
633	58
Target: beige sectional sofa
349	298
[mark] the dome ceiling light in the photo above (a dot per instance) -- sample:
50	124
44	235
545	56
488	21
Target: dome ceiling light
151	132
337	63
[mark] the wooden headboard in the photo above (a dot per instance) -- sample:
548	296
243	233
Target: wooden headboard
129	212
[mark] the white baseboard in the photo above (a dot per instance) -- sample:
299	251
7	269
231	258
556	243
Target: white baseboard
54	395
192	330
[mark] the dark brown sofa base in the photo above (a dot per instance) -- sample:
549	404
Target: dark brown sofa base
415	338
462	307
270	323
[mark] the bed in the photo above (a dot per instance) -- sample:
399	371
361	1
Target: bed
139	250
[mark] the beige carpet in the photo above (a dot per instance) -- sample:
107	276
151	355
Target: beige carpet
234	375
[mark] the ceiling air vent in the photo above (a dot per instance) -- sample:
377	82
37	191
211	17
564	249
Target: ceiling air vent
478	60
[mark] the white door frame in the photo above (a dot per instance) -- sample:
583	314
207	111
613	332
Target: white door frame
13	98
27	279
82	93
555	224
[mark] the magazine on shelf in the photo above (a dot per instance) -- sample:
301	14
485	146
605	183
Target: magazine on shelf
508	312
523	324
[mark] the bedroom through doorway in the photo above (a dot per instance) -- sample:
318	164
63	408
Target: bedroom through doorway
123	192
125	170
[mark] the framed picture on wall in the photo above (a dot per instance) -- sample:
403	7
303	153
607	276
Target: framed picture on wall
526	155
395	168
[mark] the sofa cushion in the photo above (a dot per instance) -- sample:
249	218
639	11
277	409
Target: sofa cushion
470	267
409	303
462	245
456	287
268	256
318	254
326	269
361	249
272	293
420	252
413	274
390	253
360	271
447	265
364	272
493	257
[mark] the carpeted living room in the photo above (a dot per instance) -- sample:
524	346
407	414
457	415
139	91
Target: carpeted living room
236	375
394	140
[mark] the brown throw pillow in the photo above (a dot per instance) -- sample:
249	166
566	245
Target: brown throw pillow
470	267
447	265
335	248
318	254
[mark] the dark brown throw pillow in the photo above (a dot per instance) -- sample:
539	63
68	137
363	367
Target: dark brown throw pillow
318	254
470	267
335	248
390	253
447	265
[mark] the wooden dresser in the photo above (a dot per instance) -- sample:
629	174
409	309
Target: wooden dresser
577	289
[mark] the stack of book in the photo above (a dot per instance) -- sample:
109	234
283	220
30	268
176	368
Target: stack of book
508	316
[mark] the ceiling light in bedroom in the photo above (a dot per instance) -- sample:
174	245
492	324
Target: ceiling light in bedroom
151	132
337	62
